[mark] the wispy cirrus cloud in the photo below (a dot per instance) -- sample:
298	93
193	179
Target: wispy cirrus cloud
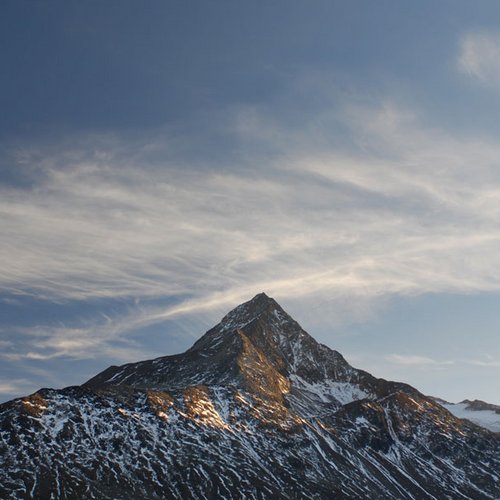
480	56
15	386
403	210
87	341
109	230
415	360
487	362
423	361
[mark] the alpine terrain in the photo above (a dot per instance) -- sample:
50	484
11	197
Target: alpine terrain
479	412
256	408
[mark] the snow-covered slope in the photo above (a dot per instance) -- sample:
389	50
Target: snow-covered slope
255	409
487	416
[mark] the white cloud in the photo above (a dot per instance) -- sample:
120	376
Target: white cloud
405	210
85	342
15	386
480	57
87	234
488	362
415	360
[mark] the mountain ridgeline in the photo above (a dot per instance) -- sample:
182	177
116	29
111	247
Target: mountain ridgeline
256	408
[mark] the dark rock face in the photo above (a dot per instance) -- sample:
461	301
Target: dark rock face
255	409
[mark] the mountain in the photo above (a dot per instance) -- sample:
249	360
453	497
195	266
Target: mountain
256	408
481	413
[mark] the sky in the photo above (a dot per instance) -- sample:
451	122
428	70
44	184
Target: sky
163	161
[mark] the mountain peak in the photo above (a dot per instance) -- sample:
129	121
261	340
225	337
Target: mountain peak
243	314
261	296
256	341
256	408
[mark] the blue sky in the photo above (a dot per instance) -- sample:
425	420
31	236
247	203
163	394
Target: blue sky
162	162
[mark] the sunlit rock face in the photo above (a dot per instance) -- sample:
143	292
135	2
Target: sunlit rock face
256	408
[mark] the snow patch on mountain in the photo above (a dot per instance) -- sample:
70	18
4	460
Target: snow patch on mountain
328	391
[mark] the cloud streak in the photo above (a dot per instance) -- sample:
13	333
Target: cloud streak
415	360
403	210
15	386
480	57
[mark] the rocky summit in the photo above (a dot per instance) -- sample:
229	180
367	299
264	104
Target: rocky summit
256	408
